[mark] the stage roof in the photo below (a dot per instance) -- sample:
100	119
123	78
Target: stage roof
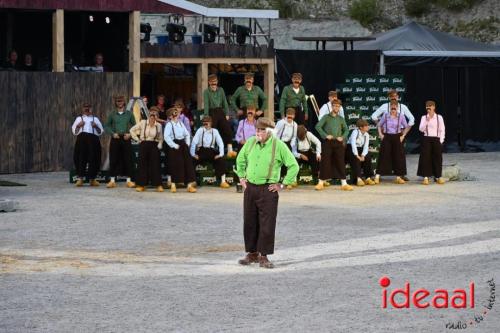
416	40
223	12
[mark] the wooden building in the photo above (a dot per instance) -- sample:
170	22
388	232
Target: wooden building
38	108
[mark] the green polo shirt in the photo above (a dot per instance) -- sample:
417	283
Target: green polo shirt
215	99
119	123
254	159
290	99
251	96
330	125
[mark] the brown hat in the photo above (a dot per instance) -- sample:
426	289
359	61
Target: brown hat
212	77
171	111
332	93
154	109
206	119
361	123
290	111
251	106
297	75
249	75
430	103
337	101
392	92
263	123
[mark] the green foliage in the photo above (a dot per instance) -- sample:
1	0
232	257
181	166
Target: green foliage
457	5
417	8
484	30
287	8
365	11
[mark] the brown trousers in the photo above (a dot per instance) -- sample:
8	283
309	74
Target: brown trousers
392	158
120	157
180	164
430	162
312	161
87	151
357	165
208	155
332	164
260	208
149	164
220	122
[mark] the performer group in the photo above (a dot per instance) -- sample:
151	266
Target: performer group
169	129
268	155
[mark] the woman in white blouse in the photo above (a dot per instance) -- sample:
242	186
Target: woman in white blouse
180	162
149	134
87	129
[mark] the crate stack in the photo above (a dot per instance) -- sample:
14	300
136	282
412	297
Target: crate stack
362	95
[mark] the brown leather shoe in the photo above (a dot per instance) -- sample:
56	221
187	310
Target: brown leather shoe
265	263
250	258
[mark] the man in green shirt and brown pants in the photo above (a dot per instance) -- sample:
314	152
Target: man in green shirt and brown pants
294	96
248	94
118	126
215	105
259	165
333	130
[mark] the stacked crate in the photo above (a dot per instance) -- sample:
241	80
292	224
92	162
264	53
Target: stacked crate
362	95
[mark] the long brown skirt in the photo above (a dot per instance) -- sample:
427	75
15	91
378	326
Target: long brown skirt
180	163
430	162
391	160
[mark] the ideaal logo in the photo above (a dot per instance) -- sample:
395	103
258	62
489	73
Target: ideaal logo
438	299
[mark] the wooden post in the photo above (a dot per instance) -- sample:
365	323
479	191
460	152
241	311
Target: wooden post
202	83
58	41
134	55
134	58
269	88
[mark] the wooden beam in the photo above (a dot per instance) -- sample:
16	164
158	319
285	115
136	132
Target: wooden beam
202	83
134	42
256	61
269	89
58	41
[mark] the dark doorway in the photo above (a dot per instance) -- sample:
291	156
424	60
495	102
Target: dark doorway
27	32
89	33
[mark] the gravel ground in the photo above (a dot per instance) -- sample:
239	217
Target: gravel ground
99	260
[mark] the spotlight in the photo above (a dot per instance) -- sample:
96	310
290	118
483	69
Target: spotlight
91	18
176	32
210	31
146	30
242	32
107	20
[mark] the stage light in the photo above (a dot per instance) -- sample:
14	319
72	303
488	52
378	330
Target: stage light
146	30
176	32
108	21
91	18
242	32
210	31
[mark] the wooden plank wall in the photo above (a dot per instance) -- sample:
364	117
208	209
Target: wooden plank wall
37	111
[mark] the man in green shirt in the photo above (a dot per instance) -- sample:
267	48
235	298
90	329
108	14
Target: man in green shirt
118	126
215	106
258	165
248	94
294	96
333	130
